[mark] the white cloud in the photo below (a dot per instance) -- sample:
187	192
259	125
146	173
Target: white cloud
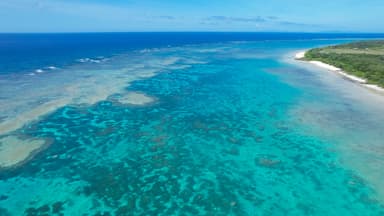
90	10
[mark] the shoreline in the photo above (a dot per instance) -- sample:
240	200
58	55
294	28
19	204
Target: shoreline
362	82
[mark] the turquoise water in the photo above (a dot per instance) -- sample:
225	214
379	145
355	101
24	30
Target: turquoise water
234	129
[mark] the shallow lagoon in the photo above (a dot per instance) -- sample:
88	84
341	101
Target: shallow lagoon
233	129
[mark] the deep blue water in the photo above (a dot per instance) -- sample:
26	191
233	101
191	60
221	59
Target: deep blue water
20	52
184	124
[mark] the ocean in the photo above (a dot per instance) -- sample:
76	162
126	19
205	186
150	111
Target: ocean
184	124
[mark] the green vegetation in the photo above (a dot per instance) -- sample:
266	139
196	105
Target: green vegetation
364	59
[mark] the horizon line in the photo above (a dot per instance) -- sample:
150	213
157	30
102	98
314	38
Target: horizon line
117	32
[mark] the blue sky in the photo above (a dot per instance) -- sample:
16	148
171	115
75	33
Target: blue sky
191	15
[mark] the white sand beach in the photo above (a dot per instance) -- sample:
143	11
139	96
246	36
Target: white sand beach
300	55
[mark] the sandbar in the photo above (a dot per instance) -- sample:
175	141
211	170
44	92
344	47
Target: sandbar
15	151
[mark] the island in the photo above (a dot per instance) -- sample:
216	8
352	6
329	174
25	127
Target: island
361	62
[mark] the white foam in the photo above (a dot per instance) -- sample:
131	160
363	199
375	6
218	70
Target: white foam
97	60
83	60
145	51
39	71
94	61
51	67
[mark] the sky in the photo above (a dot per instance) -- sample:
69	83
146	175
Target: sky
191	15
